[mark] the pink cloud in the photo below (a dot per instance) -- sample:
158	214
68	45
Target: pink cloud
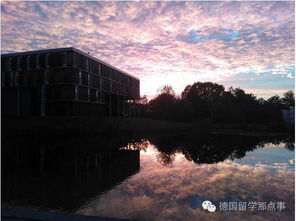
142	37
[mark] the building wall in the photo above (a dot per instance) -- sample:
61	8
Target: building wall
64	82
8	102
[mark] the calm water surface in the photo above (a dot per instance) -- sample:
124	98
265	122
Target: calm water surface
167	179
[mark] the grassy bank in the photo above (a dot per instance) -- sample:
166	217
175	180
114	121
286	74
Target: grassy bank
70	126
104	126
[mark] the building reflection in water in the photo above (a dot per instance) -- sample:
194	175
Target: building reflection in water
62	176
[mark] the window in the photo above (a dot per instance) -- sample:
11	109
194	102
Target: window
43	92
85	78
29	78
5	64
60	76
106	85
79	60
76	77
38	78
67	92
6	77
11	79
23	61
93	95
85	63
56	59
70	76
36	93
32	61
35	109
61	59
96	81
90	80
83	93
105	71
112	74
2	79
70	59
46	77
95	67
57	76
80	77
16	79
42	60
14	63
117	75
120	77
51	60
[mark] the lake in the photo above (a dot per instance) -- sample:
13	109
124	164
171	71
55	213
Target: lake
154	178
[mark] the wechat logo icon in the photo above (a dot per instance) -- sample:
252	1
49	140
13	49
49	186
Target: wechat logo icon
207	205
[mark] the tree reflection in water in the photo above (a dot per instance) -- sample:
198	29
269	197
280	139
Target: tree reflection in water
211	149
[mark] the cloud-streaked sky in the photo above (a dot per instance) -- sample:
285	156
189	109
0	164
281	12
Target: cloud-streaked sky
241	44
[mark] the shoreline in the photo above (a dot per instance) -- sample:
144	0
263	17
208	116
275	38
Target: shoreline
112	127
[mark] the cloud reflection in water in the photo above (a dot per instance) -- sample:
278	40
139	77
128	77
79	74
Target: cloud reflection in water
176	190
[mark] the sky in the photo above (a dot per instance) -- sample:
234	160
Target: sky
250	45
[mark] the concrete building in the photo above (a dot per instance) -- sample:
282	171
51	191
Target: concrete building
65	82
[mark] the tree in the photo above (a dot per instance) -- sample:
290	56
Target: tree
207	91
209	101
248	104
270	110
167	89
275	100
288	99
164	105
200	98
226	109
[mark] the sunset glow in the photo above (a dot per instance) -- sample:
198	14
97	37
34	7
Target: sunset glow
241	44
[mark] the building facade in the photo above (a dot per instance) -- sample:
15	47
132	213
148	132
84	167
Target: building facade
65	82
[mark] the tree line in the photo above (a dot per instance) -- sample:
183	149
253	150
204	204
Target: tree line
207	100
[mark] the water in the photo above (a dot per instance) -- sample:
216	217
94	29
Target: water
162	178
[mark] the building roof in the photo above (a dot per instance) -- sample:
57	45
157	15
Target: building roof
54	50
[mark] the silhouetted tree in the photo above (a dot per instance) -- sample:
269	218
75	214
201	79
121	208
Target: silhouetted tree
226	109
270	110
164	105
207	91
275	100
248	104
167	89
288	99
210	102
200	98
